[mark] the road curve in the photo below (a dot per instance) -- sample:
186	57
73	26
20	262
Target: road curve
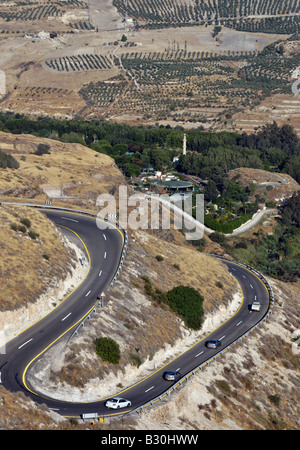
103	249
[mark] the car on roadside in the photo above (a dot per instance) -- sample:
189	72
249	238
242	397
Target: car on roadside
172	375
213	343
117	402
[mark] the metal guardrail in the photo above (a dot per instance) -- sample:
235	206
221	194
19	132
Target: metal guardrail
168	392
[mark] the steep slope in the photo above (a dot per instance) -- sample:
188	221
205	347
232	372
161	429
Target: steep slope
29	264
54	171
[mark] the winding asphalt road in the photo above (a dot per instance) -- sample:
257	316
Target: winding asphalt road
103	249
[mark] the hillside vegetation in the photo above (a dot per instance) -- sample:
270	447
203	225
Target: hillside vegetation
29	263
210	154
277	252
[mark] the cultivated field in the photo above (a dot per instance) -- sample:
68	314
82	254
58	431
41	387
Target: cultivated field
210	71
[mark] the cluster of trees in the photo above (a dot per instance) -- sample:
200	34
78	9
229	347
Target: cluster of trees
103	94
140	147
232	202
185	301
176	82
210	154
272	148
34	13
214	154
42	149
82	25
226	227
282	25
265	73
210	163
278	254
108	349
31	11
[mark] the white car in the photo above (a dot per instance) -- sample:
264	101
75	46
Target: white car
117	402
255	306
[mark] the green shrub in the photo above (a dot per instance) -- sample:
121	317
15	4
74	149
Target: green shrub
8	161
33	234
275	399
42	149
159	257
217	237
21	228
199	242
108	349
226	227
136	360
222	384
148	287
187	302
26	222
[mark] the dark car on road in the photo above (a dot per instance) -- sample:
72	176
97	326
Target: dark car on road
213	343
172	375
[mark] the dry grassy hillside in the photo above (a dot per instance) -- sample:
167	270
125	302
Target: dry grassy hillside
281	108
29	264
68	174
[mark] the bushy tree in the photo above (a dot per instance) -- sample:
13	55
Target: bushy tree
108	349
187	302
8	161
42	149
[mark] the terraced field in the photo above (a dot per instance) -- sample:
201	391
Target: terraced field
246	15
212	89
279	108
222	65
